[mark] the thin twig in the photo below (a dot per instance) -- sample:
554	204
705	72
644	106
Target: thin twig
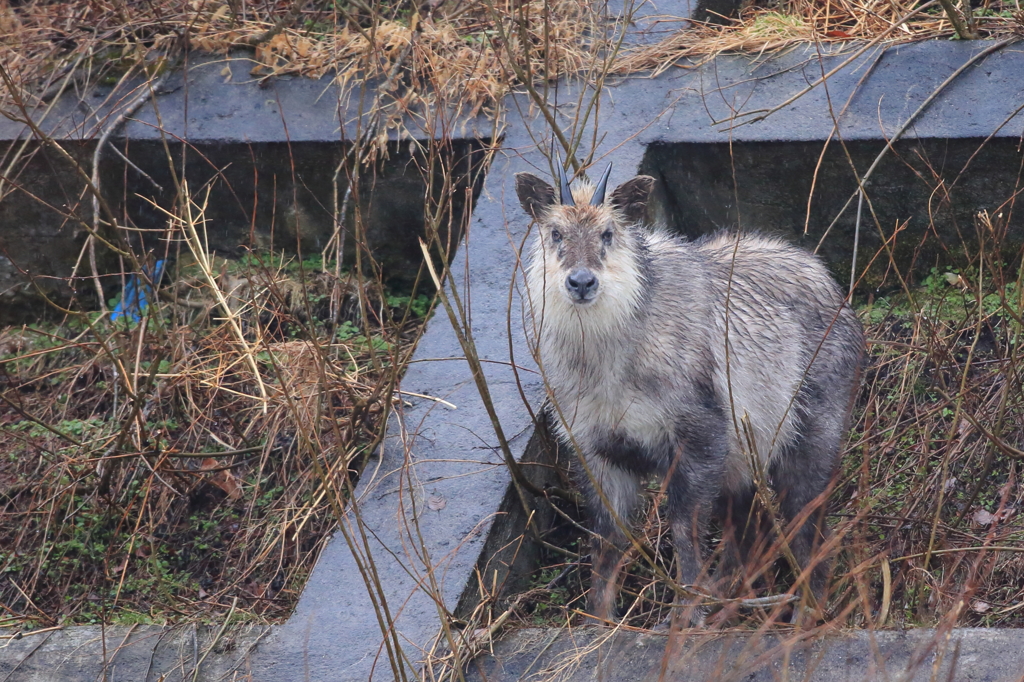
864	180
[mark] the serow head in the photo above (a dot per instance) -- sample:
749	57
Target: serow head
592	239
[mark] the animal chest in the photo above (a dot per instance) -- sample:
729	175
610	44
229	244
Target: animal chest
622	424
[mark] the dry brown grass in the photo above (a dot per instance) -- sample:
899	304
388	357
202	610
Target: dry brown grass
147	477
455	52
766	29
467	52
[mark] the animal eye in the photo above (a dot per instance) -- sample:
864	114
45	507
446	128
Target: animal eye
556	236
607	237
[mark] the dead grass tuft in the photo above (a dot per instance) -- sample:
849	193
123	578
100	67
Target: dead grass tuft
147	477
449	52
769	28
467	52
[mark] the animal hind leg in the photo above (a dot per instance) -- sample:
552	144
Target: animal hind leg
611	511
740	525
800	479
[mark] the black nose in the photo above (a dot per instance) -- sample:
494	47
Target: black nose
582	284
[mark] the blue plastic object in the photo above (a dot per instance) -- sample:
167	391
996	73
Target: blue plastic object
137	294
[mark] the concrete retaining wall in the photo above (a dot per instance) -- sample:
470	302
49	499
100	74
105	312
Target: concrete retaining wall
436	503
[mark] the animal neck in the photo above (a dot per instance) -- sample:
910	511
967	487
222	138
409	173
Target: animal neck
585	335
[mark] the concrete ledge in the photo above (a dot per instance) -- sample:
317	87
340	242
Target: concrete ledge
870	98
214	99
440	489
136	654
587	654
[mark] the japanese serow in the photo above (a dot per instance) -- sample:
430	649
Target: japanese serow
712	364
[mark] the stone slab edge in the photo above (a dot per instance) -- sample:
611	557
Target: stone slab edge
430	502
919	655
130	654
713	103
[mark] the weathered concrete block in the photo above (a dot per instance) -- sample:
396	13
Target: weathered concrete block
141	654
42	218
267	157
279	196
931	188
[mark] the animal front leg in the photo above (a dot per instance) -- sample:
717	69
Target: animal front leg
612	495
688	527
607	554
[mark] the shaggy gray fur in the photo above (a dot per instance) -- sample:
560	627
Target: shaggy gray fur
710	364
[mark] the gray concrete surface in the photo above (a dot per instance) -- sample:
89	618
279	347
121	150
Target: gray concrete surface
711	104
923	655
129	654
435	452
436	504
213	99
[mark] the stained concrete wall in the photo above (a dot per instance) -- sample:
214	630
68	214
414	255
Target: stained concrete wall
41	230
267	156
279	196
932	189
263	196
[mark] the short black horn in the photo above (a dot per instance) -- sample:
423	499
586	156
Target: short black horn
565	194
598	198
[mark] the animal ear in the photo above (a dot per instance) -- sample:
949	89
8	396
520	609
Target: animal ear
631	197
534	194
